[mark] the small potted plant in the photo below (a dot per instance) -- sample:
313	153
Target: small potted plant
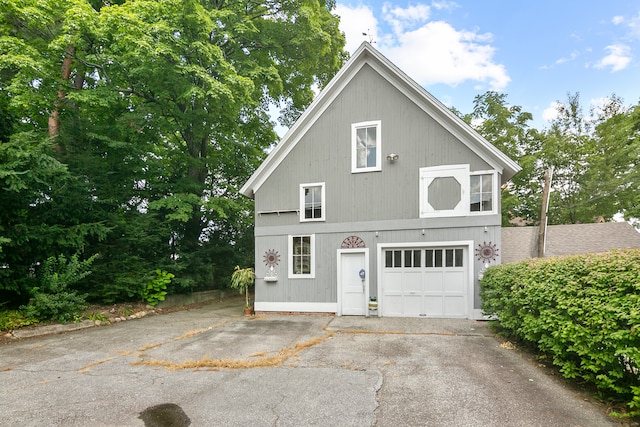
241	279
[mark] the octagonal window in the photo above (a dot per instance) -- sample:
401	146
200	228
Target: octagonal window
444	193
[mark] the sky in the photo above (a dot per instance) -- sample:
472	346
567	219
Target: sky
535	51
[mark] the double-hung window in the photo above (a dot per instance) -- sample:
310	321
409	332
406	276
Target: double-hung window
366	147
481	193
302	256
312	202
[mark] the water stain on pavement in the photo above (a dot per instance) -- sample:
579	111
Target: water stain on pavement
165	415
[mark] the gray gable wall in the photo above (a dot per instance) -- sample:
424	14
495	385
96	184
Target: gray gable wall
324	155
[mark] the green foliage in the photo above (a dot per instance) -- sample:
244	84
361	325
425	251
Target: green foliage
582	310
242	279
156	290
53	299
14	319
593	157
165	115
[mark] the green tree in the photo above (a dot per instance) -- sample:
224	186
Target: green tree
595	161
158	111
507	127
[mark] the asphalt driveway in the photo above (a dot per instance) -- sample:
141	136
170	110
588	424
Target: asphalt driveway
211	366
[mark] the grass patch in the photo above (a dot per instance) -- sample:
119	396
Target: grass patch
260	361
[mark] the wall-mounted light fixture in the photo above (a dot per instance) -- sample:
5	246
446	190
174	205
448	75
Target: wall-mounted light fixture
392	157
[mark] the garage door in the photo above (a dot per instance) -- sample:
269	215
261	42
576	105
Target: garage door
424	282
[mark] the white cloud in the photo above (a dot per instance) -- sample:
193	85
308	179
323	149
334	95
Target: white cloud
634	26
399	18
617	20
438	53
550	113
354	21
429	51
618	58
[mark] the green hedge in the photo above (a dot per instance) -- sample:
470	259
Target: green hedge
584	311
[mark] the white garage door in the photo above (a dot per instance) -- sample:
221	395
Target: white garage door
424	282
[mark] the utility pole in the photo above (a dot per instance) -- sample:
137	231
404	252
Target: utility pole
542	231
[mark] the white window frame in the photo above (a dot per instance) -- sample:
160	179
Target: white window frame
312	273
354	145
463	175
323	206
494	192
427	175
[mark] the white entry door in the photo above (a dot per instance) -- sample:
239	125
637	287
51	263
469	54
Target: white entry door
353	290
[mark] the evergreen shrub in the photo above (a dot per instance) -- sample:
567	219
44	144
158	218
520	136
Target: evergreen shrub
584	311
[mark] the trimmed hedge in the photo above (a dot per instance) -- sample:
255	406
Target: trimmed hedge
582	310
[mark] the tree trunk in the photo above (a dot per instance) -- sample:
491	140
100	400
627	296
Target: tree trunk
54	117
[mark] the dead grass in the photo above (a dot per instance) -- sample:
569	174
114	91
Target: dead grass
262	360
88	367
150	346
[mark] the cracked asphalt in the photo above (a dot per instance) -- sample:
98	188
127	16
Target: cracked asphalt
218	368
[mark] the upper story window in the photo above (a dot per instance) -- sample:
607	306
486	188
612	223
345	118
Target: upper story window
312	205
366	146
481	193
453	190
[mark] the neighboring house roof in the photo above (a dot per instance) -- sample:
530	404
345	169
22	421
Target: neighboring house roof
367	55
519	243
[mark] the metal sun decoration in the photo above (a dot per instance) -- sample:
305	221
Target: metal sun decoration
271	258
352	242
487	252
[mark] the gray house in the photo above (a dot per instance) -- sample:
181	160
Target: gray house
377	192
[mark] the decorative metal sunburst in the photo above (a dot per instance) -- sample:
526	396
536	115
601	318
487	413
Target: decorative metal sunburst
487	252
271	258
352	242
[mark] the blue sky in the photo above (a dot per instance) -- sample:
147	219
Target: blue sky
534	51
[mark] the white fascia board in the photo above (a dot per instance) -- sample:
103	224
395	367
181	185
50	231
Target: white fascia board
305	121
454	124
366	54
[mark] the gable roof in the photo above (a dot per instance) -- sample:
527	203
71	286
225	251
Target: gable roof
367	55
519	243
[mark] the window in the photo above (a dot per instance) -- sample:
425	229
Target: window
312	202
453	190
301	256
437	258
481	193
365	146
394	258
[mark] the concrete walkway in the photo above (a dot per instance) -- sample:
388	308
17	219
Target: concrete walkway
212	366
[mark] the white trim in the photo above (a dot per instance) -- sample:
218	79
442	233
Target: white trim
354	146
299	307
312	244
460	173
447	244
323	207
365	251
494	193
367	55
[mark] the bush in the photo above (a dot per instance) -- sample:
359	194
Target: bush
156	290
52	299
582	310
14	319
